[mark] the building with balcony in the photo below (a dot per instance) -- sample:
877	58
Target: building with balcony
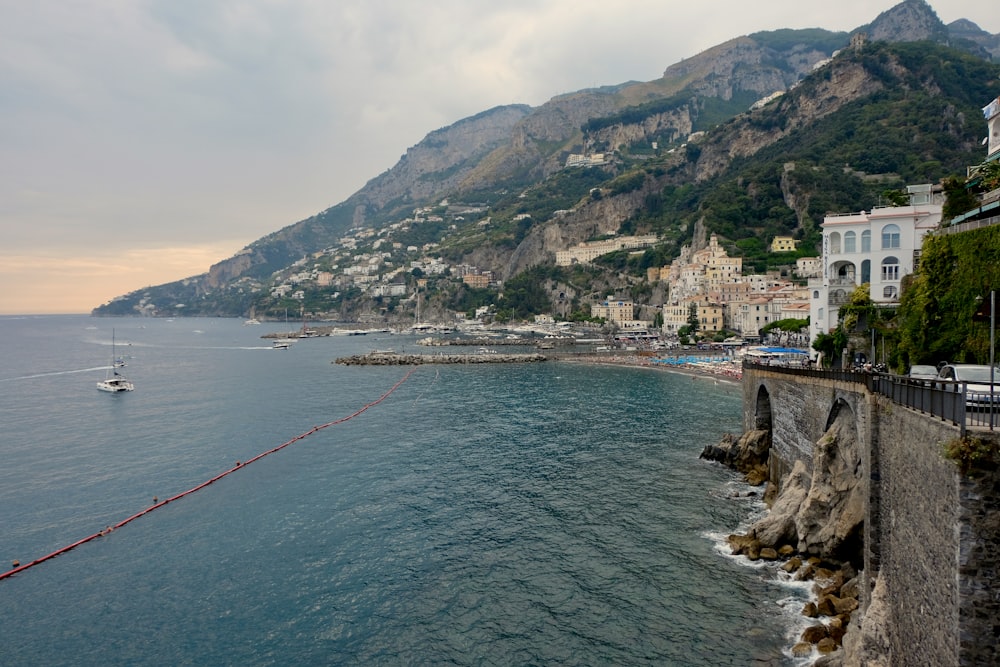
878	247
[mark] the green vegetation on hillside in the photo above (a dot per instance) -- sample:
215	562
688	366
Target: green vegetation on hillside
936	309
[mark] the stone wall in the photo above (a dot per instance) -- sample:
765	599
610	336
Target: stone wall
915	528
932	533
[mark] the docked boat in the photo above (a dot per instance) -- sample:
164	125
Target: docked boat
115	382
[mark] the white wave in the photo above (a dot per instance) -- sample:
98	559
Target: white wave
43	375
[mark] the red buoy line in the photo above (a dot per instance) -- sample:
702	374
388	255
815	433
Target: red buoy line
239	465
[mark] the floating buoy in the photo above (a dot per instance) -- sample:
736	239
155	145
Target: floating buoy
16	563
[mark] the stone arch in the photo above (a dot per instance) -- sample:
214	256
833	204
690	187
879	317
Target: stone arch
762	410
835	412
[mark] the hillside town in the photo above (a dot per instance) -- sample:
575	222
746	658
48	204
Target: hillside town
707	288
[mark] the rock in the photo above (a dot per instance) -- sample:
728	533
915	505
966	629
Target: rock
850	589
837	630
802	650
825	577
831	518
814	633
747	453
787	550
779	526
809	610
742	544
835	659
844	605
792	565
756	476
767	553
827	605
826	645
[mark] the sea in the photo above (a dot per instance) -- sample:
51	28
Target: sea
553	513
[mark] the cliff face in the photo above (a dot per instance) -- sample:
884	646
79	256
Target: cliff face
909	21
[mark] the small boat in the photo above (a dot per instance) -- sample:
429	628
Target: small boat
281	344
115	381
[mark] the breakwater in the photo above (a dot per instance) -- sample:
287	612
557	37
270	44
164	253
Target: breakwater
397	359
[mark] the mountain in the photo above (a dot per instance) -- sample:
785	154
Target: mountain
661	174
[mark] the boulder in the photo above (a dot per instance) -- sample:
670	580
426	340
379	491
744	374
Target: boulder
802	650
809	610
767	553
792	565
827	605
814	633
826	645
745	454
779	526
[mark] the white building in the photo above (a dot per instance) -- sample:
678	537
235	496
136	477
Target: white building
586	252
879	247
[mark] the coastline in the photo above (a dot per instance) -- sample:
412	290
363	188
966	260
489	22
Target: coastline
724	371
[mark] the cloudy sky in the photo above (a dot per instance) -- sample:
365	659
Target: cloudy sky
143	140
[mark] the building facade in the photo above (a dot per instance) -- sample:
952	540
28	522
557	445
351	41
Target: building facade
877	248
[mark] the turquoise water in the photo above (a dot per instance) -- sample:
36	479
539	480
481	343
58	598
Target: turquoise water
541	514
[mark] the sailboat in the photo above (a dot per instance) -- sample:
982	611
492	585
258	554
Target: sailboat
115	381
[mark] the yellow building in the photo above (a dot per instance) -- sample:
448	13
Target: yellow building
783	244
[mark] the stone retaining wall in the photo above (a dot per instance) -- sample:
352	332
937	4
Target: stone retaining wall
932	531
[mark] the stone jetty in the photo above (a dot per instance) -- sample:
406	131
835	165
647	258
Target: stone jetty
397	359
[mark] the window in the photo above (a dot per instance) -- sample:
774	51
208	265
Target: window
849	242
890	269
816	294
890	237
889	292
835	243
866	241
866	270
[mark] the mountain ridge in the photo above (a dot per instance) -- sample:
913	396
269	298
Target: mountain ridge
516	146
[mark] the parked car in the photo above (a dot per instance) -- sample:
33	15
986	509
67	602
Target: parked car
977	383
922	372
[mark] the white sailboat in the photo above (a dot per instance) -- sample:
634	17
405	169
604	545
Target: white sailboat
115	382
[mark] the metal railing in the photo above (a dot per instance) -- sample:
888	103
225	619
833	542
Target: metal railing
943	400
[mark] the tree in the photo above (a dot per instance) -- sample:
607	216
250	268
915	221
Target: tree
692	320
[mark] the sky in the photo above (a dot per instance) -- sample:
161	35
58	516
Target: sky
141	141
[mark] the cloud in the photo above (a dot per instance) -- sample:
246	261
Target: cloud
168	123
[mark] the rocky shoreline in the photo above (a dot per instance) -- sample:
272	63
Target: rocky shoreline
811	529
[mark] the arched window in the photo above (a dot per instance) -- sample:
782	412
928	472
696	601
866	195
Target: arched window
889	292
866	270
835	243
850	239
890	269
815	293
866	241
890	237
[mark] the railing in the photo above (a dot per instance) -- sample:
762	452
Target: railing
941	399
